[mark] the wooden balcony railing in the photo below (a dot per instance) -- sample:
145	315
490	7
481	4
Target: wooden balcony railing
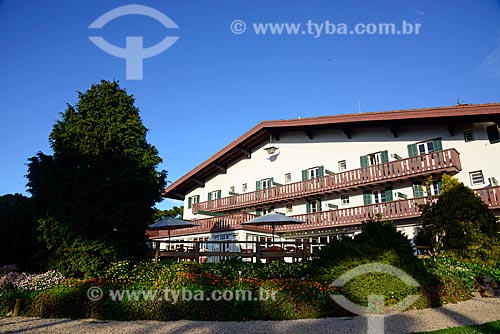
490	196
395	210
402	209
438	162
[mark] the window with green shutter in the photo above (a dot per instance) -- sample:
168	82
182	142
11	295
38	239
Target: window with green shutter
258	212
257	185
190	201
304	175
367	197
313	206
438	145
363	160
384	156
321	171
219	193
388	194
271	182
210	196
418	190
412	150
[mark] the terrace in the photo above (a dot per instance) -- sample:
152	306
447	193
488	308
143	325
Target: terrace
394	210
446	161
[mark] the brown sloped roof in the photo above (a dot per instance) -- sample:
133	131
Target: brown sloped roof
259	134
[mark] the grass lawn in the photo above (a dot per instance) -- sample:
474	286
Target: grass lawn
489	328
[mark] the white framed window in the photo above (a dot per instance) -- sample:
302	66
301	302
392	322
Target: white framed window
231	189
375	158
214	195
379	196
342	165
344	199
315	205
265	211
288	177
469	136
289	208
193	200
244	187
476	177
313	172
265	184
425	147
435	187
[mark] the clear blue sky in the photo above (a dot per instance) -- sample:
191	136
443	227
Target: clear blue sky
213	85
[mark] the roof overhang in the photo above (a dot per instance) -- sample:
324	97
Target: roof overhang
242	147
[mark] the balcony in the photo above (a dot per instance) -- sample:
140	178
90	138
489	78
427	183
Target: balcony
447	161
395	210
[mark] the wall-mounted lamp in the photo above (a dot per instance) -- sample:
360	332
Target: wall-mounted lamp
271	149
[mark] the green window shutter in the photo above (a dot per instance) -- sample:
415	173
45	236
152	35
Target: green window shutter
304	175
412	150
308	207
257	185
367	197
197	198
219	193
271	182
418	190
388	194
190	202
258	212
363	160
209	196
438	146
321	170
385	156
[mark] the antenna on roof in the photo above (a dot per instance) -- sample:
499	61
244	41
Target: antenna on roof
359	107
458	101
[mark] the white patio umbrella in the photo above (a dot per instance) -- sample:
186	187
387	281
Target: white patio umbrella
273	219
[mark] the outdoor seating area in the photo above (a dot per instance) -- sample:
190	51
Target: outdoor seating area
248	251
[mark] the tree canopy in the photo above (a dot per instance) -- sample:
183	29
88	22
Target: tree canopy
97	191
174	212
459	223
18	240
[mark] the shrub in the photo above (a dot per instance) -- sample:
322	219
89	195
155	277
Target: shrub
460	224
41	281
11	280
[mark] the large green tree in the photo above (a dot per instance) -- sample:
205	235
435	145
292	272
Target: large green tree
98	189
459	223
18	241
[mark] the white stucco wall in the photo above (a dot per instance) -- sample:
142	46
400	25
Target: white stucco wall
327	148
